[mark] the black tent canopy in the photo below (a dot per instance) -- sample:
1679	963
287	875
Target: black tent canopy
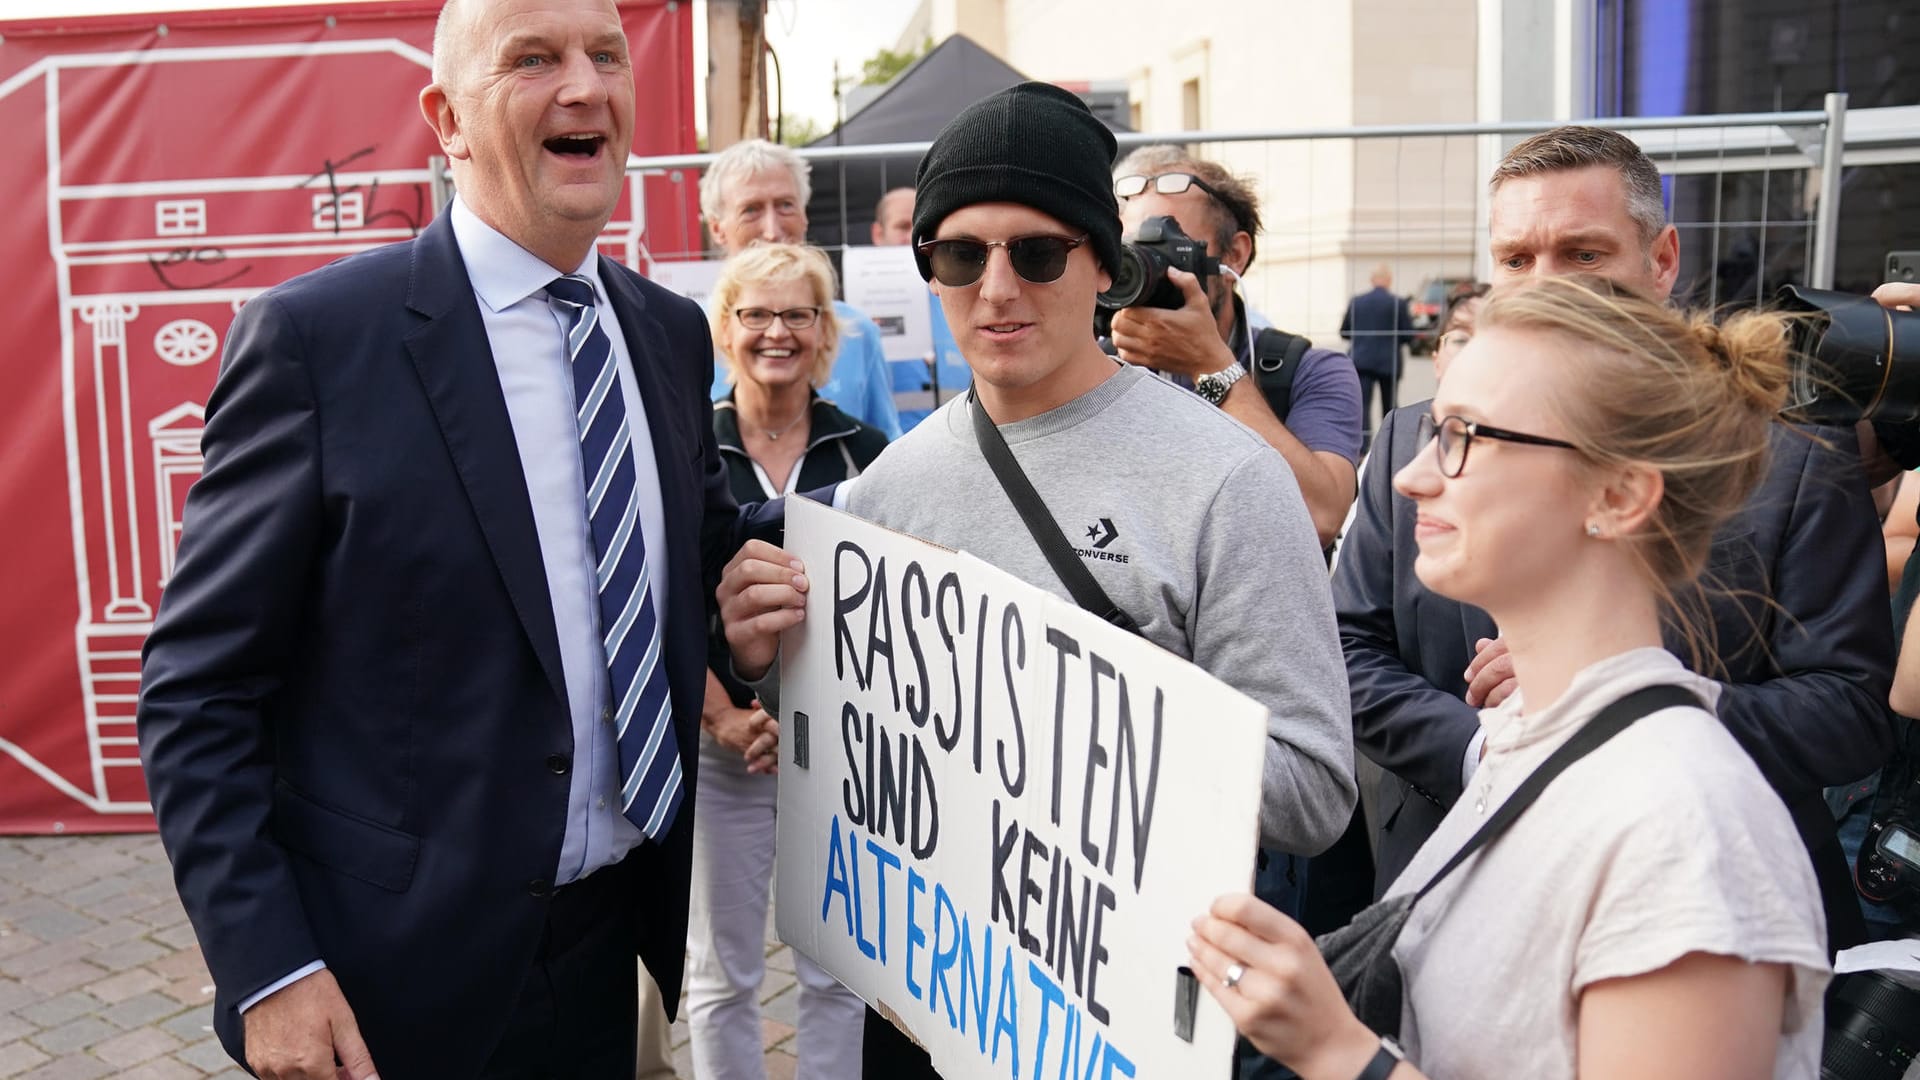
913	108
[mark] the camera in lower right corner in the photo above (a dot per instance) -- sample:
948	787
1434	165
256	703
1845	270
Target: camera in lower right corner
1873	1017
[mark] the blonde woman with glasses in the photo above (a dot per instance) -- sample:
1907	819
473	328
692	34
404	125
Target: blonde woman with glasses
1635	921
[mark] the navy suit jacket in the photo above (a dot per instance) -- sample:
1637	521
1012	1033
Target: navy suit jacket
1807	700
352	716
1378	323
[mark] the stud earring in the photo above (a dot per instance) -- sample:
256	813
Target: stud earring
1593	530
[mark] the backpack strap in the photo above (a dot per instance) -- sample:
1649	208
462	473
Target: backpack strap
1276	360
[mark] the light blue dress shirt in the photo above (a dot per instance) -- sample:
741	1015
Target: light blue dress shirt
528	341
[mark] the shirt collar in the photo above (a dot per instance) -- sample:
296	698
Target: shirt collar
502	272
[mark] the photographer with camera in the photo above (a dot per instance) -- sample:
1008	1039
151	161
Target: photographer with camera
1305	402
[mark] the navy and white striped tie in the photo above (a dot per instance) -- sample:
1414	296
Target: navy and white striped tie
650	788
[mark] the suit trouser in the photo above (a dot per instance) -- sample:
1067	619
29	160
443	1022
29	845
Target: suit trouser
733	834
1387	387
574	1017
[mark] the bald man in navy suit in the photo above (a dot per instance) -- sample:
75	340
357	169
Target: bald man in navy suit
420	707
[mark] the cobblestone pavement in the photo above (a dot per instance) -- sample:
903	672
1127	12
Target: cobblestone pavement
100	975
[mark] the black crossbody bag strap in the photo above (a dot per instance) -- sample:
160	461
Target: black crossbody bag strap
1046	532
1610	722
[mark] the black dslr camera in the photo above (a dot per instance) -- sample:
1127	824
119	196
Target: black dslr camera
1853	360
1158	246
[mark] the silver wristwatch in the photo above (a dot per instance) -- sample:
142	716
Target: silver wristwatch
1214	386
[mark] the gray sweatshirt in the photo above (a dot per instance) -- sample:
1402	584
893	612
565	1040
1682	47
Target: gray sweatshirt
1193	526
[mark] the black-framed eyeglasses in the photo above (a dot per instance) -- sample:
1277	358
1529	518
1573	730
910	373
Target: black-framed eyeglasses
958	263
1169	183
793	318
1453	436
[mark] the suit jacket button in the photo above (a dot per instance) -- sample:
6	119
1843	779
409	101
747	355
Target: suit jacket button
539	887
558	764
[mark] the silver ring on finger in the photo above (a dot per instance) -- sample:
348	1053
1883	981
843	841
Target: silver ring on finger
1234	974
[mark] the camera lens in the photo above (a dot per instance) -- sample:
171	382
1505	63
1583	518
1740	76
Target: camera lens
1873	1028
1856	359
1133	281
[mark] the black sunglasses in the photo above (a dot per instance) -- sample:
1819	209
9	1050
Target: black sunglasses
1453	436
1037	259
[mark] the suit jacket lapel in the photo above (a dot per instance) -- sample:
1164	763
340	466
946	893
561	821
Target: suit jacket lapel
455	366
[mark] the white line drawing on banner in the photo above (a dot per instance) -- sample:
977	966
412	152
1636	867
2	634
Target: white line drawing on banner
185	342
180	217
347	210
176	464
109	319
107	471
113	548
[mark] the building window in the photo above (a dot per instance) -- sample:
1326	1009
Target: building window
1190	118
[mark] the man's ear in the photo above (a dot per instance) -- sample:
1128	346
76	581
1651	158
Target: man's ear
1239	252
1665	256
437	106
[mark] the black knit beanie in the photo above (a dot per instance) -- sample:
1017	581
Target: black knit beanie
1033	144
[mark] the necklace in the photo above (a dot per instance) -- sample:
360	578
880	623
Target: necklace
773	434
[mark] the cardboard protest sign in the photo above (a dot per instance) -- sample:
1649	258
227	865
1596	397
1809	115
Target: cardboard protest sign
998	814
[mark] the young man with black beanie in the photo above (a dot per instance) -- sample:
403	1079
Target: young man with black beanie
1163	497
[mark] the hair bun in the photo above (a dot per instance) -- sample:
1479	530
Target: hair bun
1754	349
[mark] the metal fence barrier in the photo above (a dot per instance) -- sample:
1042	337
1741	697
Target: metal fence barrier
1754	206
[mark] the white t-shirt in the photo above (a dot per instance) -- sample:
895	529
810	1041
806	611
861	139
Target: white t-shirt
1662	842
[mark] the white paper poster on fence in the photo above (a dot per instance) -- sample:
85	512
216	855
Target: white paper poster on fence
998	815
885	283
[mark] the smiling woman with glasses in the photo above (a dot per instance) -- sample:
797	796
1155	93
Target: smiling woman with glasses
773	323
1646	914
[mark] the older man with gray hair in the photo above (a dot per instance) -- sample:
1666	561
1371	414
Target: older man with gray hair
756	192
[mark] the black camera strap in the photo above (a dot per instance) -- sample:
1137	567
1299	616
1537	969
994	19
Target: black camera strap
1046	532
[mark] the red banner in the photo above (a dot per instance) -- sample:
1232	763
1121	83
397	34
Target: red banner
159	171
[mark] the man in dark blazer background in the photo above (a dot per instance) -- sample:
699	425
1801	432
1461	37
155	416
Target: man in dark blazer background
1378	323
1799	607
387	708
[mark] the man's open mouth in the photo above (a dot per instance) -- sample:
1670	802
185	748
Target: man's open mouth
577	146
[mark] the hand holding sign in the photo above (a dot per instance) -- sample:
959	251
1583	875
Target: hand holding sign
1283	998
762	593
